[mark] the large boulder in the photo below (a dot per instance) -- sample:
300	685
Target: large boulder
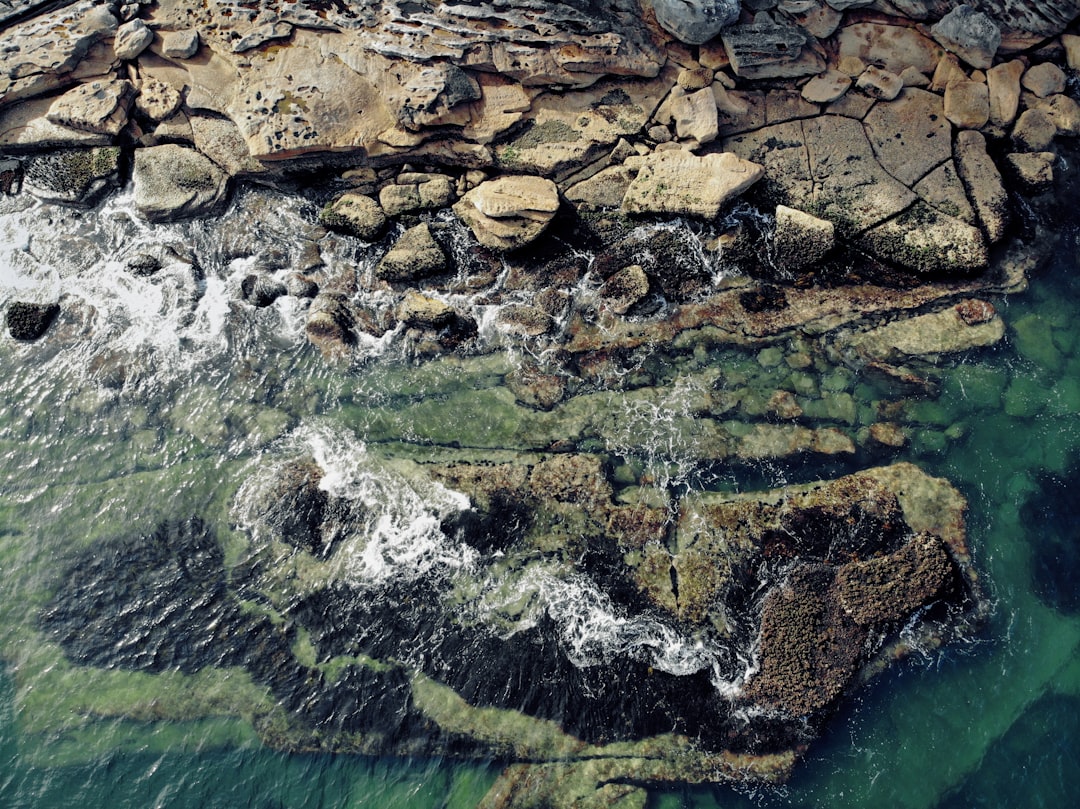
173	181
28	321
509	212
100	107
695	21
680	183
357	214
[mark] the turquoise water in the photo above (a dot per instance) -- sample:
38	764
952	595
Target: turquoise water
150	402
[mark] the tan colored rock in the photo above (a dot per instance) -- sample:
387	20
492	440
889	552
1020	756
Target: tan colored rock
605	189
851	66
928	242
416	192
887	434
1063	111
880	83
1044	79
827	87
947	71
221	141
683	184
132	38
1034	131
1033	171
910	136
1071	42
912	77
967	104
509	212
181	44
982	180
157	100
357	214
943	190
738	111
800	240
413	256
892	47
1003	85
816	18
98	106
934	334
522	320
695	115
26	125
691	79
787	105
424	311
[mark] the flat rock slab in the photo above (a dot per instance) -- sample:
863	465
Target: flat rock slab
910	136
680	183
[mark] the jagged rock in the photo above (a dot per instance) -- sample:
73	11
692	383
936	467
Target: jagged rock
98	106
827	87
695	21
1003	86
691	79
970	34
296	510
523	320
415	255
10	177
624	288
605	189
934	334
967	104
181	44
910	136
509	212
1033	171
132	38
680	183
879	83
982	180
356	214
261	290
157	100
77	176
1034	131
28	321
947	71
765	49
532	387
800	240
1044	79
174	181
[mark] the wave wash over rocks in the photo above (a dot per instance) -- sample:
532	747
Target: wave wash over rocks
601	257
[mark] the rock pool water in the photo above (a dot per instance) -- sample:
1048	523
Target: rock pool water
155	398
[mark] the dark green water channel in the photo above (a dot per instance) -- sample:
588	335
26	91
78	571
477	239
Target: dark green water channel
152	401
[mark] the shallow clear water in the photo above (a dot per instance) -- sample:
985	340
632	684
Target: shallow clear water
156	397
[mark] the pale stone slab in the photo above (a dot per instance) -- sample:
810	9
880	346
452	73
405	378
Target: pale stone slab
683	184
827	87
967	104
910	136
1003	85
982	180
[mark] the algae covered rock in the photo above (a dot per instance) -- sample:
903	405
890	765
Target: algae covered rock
28	321
173	181
74	176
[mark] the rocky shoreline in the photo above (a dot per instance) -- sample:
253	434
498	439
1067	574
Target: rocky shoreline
623	191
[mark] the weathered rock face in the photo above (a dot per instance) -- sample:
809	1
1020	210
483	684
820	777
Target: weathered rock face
695	21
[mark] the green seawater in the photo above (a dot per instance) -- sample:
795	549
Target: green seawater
99	434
